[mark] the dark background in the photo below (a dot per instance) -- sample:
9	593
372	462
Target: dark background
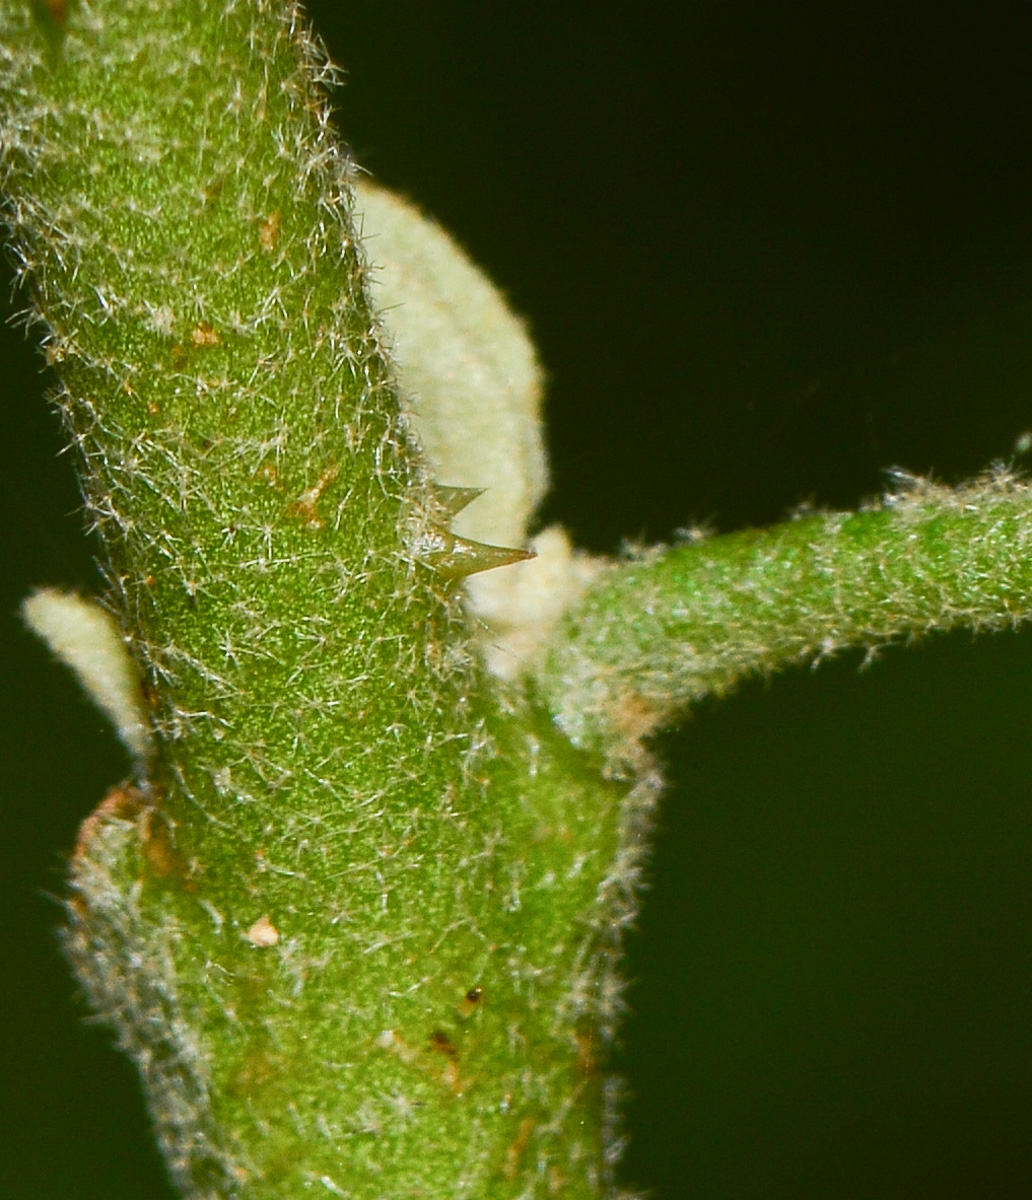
767	250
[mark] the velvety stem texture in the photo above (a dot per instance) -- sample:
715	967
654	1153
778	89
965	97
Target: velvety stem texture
356	916
354	947
705	614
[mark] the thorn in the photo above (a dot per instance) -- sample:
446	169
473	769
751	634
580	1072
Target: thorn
454	557
454	499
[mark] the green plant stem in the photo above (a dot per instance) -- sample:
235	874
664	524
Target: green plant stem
667	627
319	923
357	917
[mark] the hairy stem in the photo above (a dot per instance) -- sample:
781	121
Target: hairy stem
356	917
349	947
667	627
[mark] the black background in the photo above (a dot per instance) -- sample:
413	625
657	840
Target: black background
767	251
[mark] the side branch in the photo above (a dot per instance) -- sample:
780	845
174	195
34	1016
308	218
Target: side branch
666	628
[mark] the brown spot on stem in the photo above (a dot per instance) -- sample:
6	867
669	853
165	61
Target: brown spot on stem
121	803
268	234
203	334
516	1149
443	1044
635	719
471	1001
263	933
305	505
158	846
